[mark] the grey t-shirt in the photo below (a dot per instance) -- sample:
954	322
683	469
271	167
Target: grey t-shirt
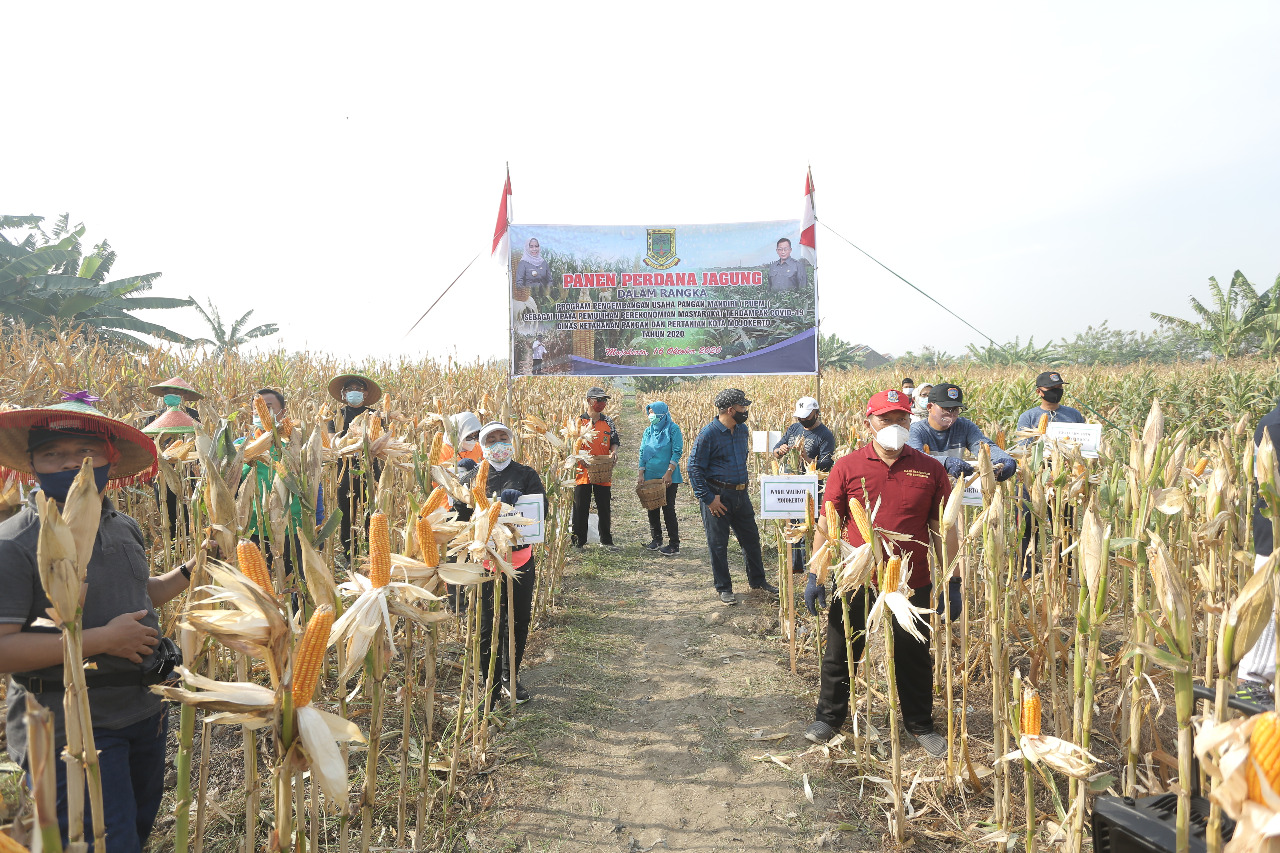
117	578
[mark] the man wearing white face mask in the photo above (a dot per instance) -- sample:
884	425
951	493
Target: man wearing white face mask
909	488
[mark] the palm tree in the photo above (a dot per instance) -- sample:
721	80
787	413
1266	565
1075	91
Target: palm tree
1014	353
1226	329
224	339
47	282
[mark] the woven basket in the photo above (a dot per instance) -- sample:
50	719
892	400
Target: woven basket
600	470
652	494
520	294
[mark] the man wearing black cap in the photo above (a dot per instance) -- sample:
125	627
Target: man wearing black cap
1049	388
603	443
948	435
718	473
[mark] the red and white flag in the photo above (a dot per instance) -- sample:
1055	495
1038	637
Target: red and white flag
808	224
504	220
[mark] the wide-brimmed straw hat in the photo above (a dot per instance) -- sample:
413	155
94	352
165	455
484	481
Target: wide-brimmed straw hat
135	452
173	422
176	385
372	390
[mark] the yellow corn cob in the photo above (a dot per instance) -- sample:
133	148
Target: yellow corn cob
482	503
926	449
1200	466
495	509
286	427
427	542
325	441
258	447
1264	755
858	513
1030	722
281	471
379	550
480	485
892	574
1044	424
437	449
310	656
375	428
253	565
1000	439
808	511
437	499
386	404
264	414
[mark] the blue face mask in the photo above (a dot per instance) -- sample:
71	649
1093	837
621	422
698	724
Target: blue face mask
653	418
354	398
172	400
58	484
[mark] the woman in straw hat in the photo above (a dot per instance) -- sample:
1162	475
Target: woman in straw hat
357	394
121	629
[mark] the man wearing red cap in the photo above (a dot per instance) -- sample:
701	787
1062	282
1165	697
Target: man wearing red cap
909	487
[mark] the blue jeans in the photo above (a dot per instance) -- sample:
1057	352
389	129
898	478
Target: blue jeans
132	764
741	519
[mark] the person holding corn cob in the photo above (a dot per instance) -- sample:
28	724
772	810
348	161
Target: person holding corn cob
909	487
508	481
121	628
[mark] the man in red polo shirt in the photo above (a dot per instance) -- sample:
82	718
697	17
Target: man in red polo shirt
910	487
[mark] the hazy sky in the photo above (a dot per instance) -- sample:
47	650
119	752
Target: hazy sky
1036	167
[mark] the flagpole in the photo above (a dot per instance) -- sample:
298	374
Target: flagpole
511	329
817	326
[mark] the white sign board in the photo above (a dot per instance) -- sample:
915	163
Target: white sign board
1089	436
784	495
763	442
532	506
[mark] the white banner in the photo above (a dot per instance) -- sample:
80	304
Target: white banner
783	495
1088	436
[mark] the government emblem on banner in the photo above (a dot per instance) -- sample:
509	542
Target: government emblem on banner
661	245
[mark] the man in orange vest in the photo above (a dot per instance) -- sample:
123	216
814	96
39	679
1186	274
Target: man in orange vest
603	443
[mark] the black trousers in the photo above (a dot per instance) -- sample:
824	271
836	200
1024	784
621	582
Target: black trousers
353	499
911	659
523	592
537	367
582	510
171	504
667	512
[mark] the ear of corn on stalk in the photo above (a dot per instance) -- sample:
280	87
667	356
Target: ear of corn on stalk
427	542
379	550
1030	718
310	656
1043	426
264	413
1000	440
436	500
892	574
480	485
1200	466
1264	755
437	449
253	565
858	513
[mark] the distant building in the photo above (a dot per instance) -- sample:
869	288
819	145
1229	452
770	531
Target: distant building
870	358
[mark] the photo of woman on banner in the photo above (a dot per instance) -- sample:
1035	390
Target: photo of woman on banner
533	273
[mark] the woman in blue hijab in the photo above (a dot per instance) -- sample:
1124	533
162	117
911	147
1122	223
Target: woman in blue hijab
660	450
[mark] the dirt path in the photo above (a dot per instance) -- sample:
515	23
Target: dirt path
651	702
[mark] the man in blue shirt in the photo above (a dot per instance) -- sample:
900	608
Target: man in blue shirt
1049	387
718	473
948	435
816	444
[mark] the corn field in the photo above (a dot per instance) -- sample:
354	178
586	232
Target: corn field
1087	652
353	696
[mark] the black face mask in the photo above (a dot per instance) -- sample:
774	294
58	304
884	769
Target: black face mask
809	422
741	417
1052	395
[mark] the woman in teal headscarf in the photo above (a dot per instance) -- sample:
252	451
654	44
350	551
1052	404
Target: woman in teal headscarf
660	450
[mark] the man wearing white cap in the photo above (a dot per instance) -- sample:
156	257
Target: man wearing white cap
815	443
